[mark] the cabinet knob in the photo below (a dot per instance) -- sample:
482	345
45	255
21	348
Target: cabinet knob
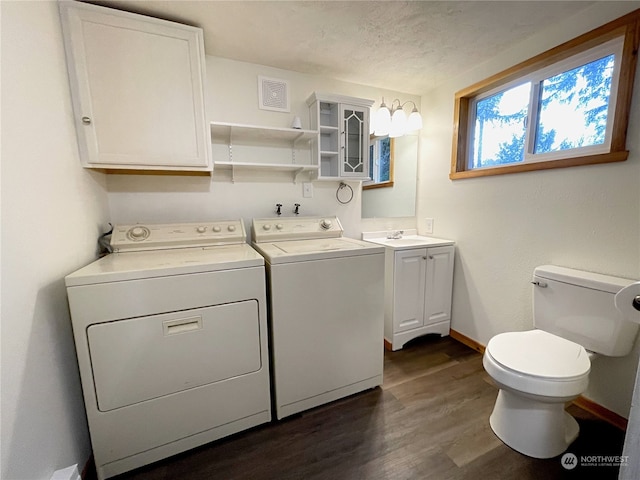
424	258
430	257
86	120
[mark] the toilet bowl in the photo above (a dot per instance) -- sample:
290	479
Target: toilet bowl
537	373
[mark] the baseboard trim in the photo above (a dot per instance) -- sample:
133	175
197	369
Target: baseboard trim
584	403
469	342
601	412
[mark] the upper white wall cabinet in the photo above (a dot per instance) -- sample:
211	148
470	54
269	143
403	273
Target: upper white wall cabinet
137	86
342	147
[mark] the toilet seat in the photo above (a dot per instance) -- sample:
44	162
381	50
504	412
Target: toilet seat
538	363
541	354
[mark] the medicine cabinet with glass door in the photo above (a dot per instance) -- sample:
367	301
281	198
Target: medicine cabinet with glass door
342	147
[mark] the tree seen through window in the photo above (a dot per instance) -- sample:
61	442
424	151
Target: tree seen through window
571	112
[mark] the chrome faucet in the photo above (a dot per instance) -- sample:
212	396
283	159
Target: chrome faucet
395	235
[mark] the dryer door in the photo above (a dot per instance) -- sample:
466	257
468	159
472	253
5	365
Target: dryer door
143	358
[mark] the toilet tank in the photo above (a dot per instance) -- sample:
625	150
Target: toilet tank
578	306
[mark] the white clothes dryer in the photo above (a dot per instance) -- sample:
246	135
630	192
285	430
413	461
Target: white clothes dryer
171	338
326	310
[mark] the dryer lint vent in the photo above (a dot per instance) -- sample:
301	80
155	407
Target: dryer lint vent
273	94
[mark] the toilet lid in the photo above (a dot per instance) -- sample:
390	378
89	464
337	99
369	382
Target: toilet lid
539	353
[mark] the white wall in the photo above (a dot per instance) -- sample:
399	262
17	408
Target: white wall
583	217
52	212
233	97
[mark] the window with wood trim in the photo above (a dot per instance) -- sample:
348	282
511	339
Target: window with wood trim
565	107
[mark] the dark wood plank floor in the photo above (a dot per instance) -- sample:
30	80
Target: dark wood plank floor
428	421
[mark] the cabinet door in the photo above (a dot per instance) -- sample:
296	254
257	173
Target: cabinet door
137	89
439	283
409	289
354	146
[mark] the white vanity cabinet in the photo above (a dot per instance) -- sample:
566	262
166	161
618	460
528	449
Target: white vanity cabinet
137	87
418	289
341	149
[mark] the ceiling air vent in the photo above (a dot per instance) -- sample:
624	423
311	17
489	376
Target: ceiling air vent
273	94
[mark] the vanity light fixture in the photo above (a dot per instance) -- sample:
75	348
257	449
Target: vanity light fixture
394	121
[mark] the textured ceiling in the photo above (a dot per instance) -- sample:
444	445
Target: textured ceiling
405	46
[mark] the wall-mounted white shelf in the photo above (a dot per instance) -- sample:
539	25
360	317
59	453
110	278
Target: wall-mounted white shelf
243	132
281	167
254	147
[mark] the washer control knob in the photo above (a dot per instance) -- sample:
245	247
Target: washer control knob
231	228
216	228
201	229
266	227
279	226
325	223
138	233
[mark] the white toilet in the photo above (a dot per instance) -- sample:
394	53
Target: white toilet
539	370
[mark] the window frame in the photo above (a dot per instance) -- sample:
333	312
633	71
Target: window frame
626	27
371	184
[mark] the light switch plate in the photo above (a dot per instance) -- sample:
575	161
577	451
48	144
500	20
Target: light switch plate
307	190
428	225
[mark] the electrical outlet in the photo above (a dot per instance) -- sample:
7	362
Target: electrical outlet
428	225
307	190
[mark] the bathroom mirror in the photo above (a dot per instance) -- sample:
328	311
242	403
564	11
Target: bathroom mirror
398	197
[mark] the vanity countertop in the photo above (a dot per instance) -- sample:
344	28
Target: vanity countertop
409	239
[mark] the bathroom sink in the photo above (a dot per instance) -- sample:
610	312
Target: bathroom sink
406	241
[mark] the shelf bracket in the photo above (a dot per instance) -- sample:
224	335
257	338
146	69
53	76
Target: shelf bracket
293	147
295	175
233	168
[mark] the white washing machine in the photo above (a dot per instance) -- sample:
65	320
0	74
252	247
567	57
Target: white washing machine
326	295
171	338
